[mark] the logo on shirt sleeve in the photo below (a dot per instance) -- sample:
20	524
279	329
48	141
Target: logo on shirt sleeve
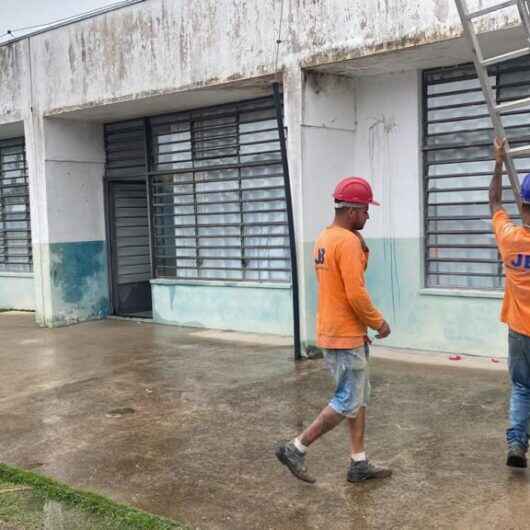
320	256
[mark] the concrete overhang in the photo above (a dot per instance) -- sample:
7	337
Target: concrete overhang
152	104
11	130
421	57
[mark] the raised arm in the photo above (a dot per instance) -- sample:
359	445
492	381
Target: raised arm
496	181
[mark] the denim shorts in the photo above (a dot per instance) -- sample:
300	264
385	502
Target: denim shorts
352	382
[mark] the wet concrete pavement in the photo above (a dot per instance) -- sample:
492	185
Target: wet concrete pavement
197	443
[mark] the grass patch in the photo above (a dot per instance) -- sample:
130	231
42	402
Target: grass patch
25	507
20	508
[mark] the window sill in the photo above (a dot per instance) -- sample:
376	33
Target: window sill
12	274
462	293
220	283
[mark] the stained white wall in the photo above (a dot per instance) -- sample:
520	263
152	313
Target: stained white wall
66	184
368	127
329	123
387	152
164	46
66	166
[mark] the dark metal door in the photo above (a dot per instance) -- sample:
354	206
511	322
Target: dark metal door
130	254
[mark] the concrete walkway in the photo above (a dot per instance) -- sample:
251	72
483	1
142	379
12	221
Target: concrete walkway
180	423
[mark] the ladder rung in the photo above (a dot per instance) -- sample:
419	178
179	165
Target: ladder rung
506	56
491	9
512	105
520	151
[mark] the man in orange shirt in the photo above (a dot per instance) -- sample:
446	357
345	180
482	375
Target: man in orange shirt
514	246
345	312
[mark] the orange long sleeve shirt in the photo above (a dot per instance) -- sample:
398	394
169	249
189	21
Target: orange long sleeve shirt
345	309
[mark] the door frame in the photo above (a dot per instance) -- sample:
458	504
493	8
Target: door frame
109	232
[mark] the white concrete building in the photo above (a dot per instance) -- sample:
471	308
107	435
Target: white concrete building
141	172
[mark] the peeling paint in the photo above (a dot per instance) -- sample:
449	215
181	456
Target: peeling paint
12	72
164	46
79	282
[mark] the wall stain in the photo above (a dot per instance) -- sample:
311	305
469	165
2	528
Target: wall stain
441	10
79	281
382	132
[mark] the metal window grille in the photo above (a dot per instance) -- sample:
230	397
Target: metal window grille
217	196
460	249
15	224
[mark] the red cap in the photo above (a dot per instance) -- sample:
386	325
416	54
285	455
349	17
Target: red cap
354	190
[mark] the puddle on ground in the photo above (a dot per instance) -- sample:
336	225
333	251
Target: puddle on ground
118	413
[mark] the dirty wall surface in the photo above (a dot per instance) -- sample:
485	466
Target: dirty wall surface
162	46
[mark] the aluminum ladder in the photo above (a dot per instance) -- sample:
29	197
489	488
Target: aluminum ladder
481	66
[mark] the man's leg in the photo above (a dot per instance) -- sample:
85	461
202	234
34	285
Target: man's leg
292	453
517	434
360	469
357	426
327	420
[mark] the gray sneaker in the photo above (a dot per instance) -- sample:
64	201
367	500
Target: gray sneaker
516	456
291	457
360	471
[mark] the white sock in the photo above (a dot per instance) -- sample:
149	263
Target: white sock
358	457
299	445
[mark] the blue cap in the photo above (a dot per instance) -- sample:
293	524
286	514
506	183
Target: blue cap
525	189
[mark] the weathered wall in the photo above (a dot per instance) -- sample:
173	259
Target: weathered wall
250	308
163	46
335	127
16	291
385	150
13	64
68	222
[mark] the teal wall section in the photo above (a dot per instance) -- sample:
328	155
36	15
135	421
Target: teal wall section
17	291
459	324
79	282
227	306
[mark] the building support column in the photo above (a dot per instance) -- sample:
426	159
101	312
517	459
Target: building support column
321	119
66	166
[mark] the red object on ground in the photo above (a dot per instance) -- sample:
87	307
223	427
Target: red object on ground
493	360
455	357
354	190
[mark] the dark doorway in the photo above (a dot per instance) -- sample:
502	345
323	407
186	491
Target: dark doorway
130	254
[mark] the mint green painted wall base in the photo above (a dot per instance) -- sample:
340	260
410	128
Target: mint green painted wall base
226	306
418	321
17	291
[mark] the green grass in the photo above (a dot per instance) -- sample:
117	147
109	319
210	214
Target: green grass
21	508
88	510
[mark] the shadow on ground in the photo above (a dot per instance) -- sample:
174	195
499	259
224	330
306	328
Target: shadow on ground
181	425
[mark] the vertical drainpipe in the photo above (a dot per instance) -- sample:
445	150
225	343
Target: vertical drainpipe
290	220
